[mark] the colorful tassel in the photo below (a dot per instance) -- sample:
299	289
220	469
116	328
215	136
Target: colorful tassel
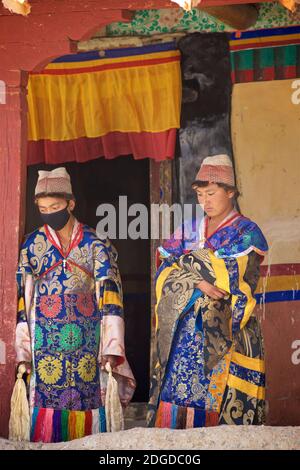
72	425
190	418
199	418
174	416
64	424
95	424
48	425
88	423
166	415
212	418
56	434
79	426
158	416
102	419
38	430
33	421
181	417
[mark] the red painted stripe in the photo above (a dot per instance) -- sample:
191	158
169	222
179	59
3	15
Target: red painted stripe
101	68
290	71
256	45
268	73
281	269
245	75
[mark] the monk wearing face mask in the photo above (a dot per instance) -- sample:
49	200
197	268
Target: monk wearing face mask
70	318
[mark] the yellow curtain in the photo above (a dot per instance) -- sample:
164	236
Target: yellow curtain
91	98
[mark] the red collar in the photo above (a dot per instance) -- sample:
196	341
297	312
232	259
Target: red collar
75	242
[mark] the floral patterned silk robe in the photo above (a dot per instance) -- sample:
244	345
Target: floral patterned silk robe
70	313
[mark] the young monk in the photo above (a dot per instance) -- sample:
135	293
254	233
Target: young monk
209	364
70	318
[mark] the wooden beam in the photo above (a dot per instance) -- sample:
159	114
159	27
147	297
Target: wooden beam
289	4
13	142
43	6
239	17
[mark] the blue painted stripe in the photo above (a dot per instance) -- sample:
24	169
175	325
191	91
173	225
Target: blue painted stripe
116	53
265	33
279	296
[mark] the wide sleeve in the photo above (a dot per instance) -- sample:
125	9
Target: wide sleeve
170	250
110	300
24	277
239	277
110	297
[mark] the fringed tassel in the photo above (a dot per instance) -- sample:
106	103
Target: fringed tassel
33	422
57	434
50	425
88	423
102	419
159	416
190	413
79	426
64	425
19	422
166	415
113	407
72	426
199	418
38	429
174	416
95	422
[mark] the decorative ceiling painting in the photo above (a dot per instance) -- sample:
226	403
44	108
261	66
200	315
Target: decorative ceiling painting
148	22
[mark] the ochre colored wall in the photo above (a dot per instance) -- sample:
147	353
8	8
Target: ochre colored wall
266	145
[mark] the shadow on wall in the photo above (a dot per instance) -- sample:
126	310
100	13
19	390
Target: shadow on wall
206	102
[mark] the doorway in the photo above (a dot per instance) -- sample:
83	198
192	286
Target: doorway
103	181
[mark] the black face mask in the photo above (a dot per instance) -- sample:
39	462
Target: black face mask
57	220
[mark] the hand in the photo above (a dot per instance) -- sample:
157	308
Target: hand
113	360
212	291
26	364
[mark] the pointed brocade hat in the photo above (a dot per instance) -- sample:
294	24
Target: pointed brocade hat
55	181
216	169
